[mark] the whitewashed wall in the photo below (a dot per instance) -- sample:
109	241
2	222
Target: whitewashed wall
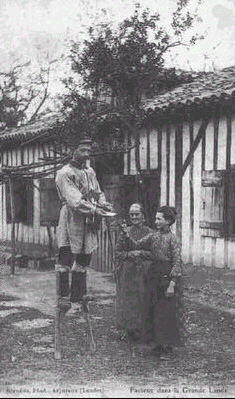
195	248
27	233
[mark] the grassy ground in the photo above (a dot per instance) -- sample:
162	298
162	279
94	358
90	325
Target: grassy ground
204	367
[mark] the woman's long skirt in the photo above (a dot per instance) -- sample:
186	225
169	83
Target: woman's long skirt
130	294
163	316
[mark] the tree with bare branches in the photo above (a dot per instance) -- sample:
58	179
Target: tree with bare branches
24	90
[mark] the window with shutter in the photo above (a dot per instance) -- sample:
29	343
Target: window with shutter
23	201
49	202
213	203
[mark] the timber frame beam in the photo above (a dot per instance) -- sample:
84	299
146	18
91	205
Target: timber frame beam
180	167
178	177
195	143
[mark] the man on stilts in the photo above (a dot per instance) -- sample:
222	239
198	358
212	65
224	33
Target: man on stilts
83	204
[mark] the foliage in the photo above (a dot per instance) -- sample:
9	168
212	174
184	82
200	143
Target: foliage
126	61
116	67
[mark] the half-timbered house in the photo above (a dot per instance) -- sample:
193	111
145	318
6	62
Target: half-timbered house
25	152
187	156
187	152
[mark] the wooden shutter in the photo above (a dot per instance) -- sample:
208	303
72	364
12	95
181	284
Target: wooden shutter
49	202
23	201
212	203
18	201
28	190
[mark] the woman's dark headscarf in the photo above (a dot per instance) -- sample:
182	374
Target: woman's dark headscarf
168	212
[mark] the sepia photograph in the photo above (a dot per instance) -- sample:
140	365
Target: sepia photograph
117	199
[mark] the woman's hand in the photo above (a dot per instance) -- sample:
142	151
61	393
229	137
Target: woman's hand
124	229
171	289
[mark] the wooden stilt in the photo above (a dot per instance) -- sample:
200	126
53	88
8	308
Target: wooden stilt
90	337
60	311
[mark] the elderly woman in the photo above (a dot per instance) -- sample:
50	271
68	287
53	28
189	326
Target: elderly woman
131	268
163	295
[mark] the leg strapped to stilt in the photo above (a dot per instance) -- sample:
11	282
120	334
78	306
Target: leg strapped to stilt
78	285
63	280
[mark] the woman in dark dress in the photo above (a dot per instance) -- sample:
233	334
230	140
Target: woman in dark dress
163	324
131	268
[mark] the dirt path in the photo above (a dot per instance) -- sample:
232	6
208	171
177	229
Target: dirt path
205	367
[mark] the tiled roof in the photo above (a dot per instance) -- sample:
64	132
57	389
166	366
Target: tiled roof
42	126
208	86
